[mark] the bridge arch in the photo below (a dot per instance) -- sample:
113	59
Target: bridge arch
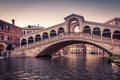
53	33
30	40
87	29
116	34
96	31
106	33
45	35
53	48
23	42
37	37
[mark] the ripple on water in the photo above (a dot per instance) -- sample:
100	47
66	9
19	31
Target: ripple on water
80	68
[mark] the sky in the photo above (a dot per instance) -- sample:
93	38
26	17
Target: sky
51	12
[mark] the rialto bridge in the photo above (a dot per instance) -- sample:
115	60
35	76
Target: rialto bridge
49	40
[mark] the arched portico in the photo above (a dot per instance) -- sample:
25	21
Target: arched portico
106	33
45	35
61	30
23	42
53	33
96	31
71	19
37	37
30	40
116	34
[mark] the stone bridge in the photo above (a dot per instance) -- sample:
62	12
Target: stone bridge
52	45
49	40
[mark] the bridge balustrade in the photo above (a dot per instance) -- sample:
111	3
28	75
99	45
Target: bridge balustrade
70	36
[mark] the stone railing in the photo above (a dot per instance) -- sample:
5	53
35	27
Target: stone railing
77	36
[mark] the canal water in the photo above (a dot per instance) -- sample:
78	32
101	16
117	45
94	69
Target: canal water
69	67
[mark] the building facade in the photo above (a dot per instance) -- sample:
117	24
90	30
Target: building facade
77	48
31	29
10	35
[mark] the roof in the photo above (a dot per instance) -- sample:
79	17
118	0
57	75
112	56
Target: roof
114	19
74	15
33	27
9	23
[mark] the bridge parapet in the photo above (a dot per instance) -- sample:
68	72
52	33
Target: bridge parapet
81	36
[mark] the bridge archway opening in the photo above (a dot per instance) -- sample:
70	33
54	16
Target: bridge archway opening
37	38
116	34
53	33
61	30
23	42
30	40
48	51
76	29
87	29
96	31
71	22
45	35
106	33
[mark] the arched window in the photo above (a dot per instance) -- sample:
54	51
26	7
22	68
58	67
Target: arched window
61	30
9	29
106	33
23	42
87	29
2	26
30	40
52	33
116	34
45	35
24	32
37	37
1	37
96	31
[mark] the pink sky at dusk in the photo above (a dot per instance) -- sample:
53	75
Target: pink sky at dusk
50	12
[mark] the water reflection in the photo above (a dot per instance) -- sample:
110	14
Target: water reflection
70	67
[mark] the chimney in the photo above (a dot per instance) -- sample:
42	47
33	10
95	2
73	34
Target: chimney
13	21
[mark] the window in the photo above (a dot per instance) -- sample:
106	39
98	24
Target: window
9	29
24	33
17	39
8	38
11	38
1	37
2	26
115	23
27	32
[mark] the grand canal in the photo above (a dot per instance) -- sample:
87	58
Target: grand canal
70	67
